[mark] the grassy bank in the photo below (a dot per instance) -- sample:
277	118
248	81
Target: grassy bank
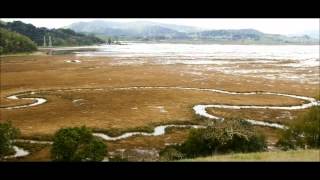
297	155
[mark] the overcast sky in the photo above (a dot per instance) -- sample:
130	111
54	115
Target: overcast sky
276	26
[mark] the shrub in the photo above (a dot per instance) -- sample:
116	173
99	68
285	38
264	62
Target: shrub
289	140
171	153
230	136
305	131
77	144
7	134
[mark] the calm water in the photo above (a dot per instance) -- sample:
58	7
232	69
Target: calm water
299	63
307	55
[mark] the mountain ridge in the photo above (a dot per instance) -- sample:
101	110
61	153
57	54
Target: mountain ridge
148	31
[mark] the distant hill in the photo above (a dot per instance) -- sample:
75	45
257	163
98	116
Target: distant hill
148	31
228	34
12	42
60	37
137	30
312	33
248	36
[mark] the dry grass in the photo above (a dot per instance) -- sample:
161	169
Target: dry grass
115	109
40	72
271	115
119	111
298	155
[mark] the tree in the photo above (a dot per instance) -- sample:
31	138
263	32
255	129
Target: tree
77	144
7	134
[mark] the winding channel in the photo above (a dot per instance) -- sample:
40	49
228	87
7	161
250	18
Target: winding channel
199	109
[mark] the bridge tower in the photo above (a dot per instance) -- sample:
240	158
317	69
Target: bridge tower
44	41
50	42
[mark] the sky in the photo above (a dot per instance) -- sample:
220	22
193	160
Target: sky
274	26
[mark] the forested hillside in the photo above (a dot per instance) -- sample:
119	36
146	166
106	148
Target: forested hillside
12	42
60	37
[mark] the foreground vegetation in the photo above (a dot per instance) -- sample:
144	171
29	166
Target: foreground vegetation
301	142
232	140
77	144
12	42
304	132
7	134
69	144
292	155
220	138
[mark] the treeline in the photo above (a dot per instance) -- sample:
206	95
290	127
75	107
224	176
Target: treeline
12	42
60	37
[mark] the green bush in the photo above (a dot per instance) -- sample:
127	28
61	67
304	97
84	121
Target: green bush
7	134
229	136
77	144
303	132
